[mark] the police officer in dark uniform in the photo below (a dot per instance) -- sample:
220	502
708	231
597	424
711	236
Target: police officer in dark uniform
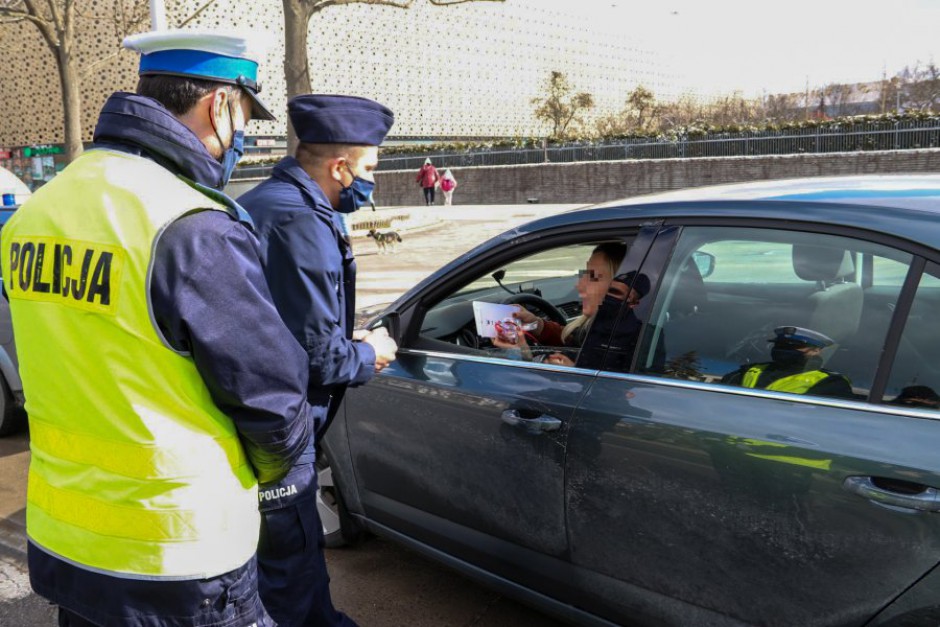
176	387
310	269
795	366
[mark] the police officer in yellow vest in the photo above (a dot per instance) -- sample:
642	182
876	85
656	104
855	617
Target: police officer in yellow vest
161	383
795	367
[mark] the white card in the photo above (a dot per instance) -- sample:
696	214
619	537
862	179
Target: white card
486	315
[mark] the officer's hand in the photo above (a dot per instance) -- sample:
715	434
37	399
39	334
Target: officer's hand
559	360
384	347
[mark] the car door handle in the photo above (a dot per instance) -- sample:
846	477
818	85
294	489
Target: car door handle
893	493
539	424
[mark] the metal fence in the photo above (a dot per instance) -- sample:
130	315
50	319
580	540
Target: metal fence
903	135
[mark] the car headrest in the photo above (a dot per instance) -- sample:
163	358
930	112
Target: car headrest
821	263
689	293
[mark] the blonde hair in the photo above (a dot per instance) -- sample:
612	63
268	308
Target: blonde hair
614	254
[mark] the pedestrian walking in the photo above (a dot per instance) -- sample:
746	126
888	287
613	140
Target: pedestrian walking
176	387
429	179
311	271
448	185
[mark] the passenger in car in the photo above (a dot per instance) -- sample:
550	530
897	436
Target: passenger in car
920	396
615	334
593	284
796	366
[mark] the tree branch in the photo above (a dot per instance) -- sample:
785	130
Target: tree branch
315	6
68	33
56	17
196	14
13	8
13	19
445	3
118	16
15	15
43	24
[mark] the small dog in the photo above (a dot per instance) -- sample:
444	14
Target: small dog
385	241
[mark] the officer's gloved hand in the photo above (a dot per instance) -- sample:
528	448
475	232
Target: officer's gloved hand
383	345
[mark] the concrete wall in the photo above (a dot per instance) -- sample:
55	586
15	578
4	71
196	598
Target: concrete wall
598	181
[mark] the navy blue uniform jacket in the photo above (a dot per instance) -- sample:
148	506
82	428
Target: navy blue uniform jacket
311	272
207	290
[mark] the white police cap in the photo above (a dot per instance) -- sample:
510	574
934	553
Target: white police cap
220	57
800	335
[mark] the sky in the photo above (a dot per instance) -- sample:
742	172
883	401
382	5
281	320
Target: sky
757	46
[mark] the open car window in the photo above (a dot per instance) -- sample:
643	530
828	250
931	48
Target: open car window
545	283
551	272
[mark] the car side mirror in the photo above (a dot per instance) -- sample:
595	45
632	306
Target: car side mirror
705	262
392	323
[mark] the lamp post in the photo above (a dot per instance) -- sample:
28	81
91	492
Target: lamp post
157	15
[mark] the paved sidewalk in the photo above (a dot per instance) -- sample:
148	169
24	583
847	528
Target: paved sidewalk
423	217
426	247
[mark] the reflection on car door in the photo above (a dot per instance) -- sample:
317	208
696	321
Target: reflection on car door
464	448
436	455
769	508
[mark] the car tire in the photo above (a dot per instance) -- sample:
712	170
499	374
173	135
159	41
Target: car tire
11	416
339	528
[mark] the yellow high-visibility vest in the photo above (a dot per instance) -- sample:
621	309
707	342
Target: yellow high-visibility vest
134	470
798	383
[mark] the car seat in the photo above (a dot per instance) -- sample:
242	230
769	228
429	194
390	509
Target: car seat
689	295
835	307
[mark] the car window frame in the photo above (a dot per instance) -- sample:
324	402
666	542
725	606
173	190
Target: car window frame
661	253
902	311
642	232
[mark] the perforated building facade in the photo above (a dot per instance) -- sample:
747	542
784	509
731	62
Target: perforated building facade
469	70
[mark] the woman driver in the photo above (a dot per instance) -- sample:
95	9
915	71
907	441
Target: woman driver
593	284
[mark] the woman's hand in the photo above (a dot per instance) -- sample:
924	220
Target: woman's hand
558	359
512	339
501	341
524	316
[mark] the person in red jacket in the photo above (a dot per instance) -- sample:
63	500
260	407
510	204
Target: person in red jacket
428	178
448	185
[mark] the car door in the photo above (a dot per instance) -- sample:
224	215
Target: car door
462	446
691	500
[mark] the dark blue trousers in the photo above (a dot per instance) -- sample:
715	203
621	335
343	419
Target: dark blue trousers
292	578
428	195
92	599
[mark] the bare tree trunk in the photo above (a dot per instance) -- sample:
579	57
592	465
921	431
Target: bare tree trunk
296	61
71	102
297	14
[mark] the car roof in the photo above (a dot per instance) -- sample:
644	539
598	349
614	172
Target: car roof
897	190
905	206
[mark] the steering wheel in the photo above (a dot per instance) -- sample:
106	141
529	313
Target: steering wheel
538	303
753	347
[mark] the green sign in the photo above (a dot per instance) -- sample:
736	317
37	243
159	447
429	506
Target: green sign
37	151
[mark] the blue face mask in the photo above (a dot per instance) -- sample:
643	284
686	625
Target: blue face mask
357	195
231	156
234	152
